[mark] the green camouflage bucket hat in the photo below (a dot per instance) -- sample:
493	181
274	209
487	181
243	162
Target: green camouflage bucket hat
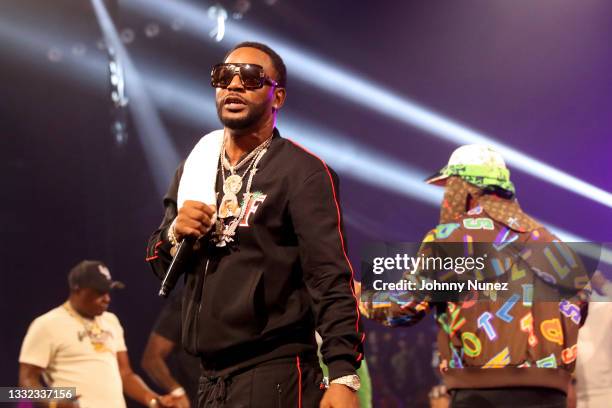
479	165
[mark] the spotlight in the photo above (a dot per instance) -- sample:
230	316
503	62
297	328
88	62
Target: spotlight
55	54
117	80
177	24
152	30
127	35
159	151
79	49
101	44
219	14
119	130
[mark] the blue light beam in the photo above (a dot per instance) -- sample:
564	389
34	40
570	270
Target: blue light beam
355	88
160	153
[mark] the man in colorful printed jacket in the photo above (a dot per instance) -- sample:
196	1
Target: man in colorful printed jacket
499	349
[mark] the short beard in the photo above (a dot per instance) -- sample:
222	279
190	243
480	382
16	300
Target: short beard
253	116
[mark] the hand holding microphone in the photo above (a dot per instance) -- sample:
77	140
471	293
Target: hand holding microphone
193	221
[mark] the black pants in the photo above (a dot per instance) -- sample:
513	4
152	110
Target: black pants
525	397
273	384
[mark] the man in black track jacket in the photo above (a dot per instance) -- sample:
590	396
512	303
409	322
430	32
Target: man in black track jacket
270	264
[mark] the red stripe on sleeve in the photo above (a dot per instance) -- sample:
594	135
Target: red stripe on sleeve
297	363
331	180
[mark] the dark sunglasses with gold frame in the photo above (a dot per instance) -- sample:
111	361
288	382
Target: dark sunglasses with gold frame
252	76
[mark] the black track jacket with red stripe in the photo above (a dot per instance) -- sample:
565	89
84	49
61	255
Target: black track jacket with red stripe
287	276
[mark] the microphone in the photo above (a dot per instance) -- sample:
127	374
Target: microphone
176	268
183	253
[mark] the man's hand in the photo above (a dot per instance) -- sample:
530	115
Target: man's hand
339	396
194	218
364	307
29	377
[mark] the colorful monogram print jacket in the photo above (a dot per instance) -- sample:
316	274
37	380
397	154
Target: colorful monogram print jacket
524	333
285	275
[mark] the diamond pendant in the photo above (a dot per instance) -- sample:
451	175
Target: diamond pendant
232	184
223	235
229	206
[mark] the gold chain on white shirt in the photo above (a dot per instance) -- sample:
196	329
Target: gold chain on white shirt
96	334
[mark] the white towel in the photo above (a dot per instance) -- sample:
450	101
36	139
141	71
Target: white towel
200	171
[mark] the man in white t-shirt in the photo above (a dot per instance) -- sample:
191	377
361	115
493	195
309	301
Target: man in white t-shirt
79	344
594	363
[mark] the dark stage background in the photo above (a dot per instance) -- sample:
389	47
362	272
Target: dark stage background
533	76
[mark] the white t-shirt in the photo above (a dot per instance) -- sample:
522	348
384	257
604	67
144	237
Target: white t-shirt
594	363
58	342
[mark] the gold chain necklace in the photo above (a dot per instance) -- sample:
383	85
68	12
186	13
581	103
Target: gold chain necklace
97	336
224	233
233	183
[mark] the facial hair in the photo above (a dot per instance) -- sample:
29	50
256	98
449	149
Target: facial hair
254	114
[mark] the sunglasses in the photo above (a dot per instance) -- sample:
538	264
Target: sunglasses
252	76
